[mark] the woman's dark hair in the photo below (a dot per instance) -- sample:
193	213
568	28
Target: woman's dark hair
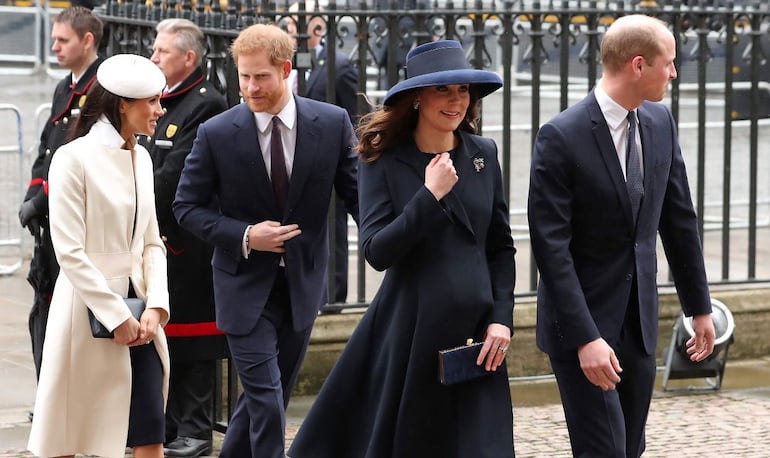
98	102
391	125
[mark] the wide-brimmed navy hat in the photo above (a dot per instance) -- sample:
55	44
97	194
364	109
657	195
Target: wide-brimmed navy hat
440	63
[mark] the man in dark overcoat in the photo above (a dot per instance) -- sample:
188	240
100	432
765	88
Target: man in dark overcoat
345	96
195	344
75	39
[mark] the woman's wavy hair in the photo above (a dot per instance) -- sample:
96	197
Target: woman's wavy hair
392	125
99	101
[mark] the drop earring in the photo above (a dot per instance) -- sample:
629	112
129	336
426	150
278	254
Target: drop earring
416	104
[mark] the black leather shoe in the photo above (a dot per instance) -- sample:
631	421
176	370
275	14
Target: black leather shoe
188	447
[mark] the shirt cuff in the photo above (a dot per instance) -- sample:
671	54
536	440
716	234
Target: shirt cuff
245	250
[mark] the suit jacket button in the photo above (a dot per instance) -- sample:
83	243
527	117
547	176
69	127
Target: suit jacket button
629	277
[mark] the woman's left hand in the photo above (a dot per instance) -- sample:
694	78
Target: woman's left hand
148	327
496	341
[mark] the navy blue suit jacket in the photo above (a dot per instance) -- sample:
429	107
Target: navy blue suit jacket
583	236
345	82
226	166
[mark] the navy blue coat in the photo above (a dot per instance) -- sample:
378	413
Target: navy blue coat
450	273
583	236
226	166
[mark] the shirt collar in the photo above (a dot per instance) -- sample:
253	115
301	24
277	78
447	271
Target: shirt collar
288	116
614	114
107	133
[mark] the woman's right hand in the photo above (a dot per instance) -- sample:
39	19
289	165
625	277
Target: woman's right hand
127	333
440	175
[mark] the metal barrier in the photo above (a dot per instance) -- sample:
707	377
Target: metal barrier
21	34
48	59
11	163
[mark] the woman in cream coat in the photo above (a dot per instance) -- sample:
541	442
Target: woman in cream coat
96	396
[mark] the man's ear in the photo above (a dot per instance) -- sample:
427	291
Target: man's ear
88	40
286	68
189	58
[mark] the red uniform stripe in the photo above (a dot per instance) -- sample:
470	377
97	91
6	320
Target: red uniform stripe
208	328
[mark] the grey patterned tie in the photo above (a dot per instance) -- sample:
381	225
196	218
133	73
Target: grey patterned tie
634	181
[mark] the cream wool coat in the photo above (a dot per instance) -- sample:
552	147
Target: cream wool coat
83	396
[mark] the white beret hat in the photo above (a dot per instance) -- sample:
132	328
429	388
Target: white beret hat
131	76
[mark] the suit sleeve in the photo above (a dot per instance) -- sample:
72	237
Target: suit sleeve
37	191
549	210
345	180
346	89
197	189
68	196
678	231
385	236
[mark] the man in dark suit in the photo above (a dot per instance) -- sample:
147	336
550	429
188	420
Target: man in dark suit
195	344
75	35
593	221
270	164
345	96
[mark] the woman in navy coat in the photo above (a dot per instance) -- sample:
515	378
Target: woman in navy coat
433	215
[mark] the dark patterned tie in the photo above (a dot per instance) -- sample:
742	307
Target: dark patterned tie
278	174
634	182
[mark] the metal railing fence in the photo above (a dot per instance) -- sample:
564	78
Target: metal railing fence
548	55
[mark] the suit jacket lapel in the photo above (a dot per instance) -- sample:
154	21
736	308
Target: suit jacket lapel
308	139
609	155
466	152
318	71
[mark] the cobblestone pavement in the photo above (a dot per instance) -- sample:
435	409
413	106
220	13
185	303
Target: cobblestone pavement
710	425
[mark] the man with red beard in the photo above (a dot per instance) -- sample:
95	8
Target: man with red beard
75	37
270	164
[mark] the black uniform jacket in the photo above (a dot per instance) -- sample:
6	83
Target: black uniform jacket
192	333
65	107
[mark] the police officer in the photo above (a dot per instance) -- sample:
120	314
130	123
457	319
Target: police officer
75	37
194	341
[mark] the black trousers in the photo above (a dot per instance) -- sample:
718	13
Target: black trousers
268	360
190	408
609	423
43	270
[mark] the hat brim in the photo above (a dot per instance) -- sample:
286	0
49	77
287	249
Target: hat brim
484	81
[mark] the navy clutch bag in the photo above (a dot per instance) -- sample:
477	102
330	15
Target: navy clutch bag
98	330
456	365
